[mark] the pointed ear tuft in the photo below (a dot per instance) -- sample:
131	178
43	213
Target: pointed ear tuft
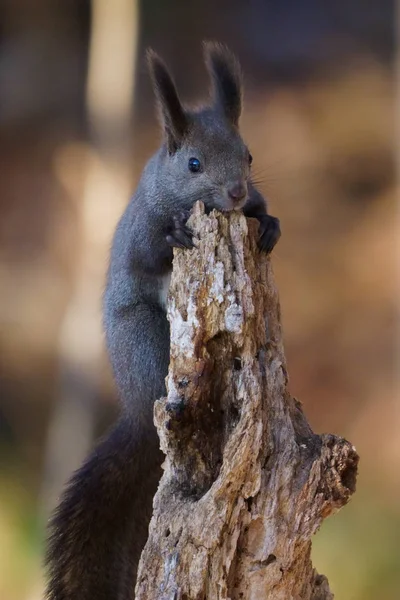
226	78
173	117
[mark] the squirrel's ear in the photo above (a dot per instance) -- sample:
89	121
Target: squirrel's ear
226	78
173	116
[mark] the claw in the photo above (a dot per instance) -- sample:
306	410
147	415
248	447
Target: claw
270	232
180	236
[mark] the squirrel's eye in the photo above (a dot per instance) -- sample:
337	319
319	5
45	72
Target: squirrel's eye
194	165
250	159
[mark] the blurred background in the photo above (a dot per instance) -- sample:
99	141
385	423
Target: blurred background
76	127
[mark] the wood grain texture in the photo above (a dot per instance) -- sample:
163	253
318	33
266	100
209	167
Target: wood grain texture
247	482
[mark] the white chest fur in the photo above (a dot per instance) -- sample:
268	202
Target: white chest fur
164	288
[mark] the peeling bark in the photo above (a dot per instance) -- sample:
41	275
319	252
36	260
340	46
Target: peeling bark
247	482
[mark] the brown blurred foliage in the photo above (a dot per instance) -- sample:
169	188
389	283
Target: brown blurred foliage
319	121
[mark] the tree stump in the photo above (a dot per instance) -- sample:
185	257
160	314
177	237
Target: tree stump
247	482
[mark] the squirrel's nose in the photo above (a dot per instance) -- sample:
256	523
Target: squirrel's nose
237	191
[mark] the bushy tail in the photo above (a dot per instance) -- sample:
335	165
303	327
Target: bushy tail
101	524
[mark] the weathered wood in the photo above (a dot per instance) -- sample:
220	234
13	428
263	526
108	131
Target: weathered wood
246	481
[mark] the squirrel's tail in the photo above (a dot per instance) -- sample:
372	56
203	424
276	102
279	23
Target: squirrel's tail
101	524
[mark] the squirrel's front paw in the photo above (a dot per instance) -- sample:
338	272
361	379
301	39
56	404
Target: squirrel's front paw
180	236
270	232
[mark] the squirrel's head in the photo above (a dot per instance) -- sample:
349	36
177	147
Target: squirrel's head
205	156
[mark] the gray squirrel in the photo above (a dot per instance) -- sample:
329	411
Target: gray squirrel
100	527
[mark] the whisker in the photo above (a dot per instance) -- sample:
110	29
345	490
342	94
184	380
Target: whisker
275	254
263	177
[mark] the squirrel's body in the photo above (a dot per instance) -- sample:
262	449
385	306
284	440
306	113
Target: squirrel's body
100	526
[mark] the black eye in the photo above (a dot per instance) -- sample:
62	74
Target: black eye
250	159
194	165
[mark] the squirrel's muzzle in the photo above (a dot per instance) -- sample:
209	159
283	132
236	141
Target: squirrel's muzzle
237	192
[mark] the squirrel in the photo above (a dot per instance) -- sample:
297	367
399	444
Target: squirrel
100	527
